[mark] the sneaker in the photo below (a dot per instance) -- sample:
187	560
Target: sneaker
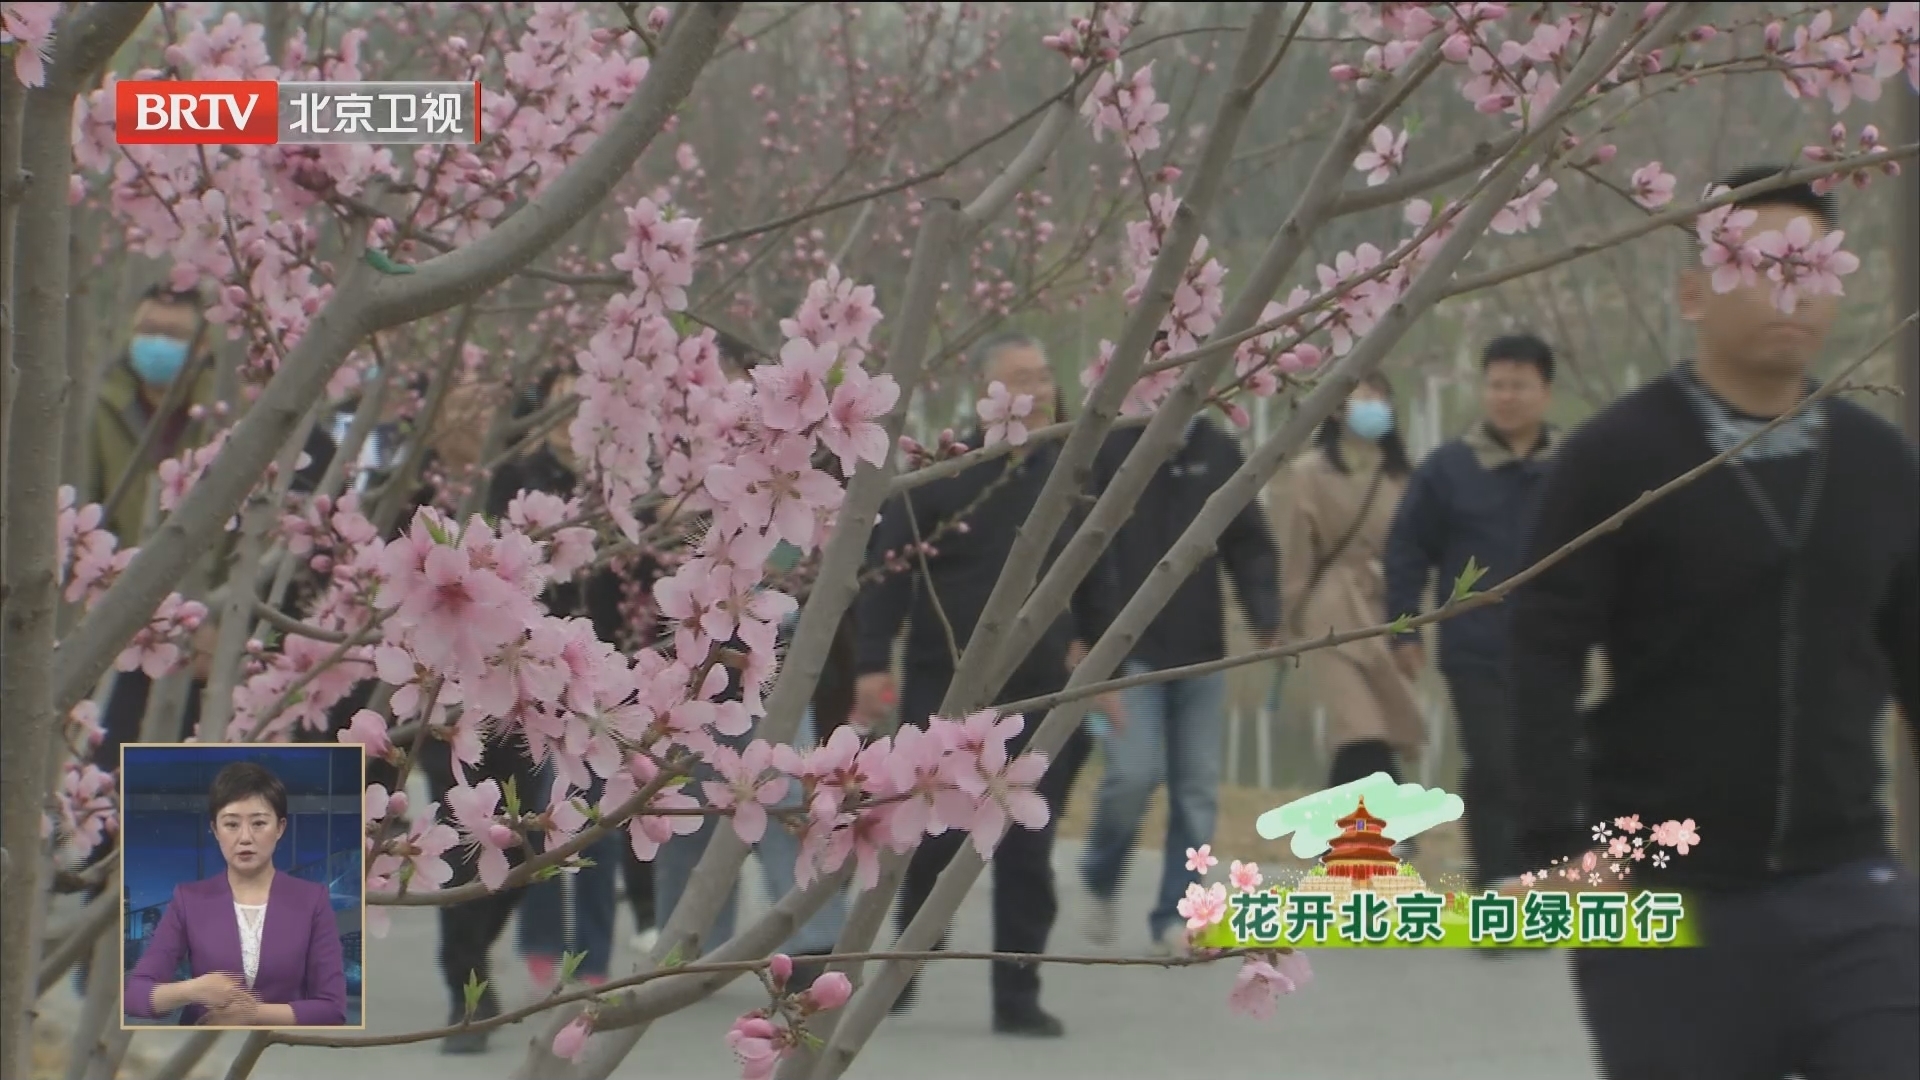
1171	942
544	971
1103	923
1031	1021
645	940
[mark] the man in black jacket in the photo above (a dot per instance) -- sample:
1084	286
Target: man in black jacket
1755	624
1173	732
1472	499
971	520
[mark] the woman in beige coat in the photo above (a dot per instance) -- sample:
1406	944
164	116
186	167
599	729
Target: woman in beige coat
1340	502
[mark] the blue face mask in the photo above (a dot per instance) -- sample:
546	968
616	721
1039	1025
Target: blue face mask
157	359
1369	419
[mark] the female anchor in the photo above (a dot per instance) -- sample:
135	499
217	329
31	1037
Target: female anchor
262	945
1339	505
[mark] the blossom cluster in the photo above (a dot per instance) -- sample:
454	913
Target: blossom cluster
89	561
1793	260
1264	977
764	1037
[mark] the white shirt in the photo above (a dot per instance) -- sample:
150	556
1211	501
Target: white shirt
253	919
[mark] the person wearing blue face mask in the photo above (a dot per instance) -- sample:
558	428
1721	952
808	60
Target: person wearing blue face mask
132	391
1338	508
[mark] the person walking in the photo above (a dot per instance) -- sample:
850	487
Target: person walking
1471	500
939	598
1755	623
1340	502
1173	732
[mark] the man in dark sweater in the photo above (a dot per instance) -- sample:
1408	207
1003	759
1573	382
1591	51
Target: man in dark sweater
970	520
1173	732
1755	624
1471	499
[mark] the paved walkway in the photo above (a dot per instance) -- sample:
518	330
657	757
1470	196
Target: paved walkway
1367	1016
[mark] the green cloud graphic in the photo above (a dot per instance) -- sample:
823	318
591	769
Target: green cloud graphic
1408	810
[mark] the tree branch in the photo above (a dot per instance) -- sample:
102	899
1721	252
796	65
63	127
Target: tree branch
714	878
101	913
1407	185
287	624
1165	430
366	301
971	684
864	1013
1678	216
734	968
1071	471
1460	605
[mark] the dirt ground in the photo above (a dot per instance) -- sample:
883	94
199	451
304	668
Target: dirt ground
1441	858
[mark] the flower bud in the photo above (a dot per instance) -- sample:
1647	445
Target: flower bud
830	991
780	969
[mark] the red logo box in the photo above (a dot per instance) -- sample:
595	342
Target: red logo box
161	112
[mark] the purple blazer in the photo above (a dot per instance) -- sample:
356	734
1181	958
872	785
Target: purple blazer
300	956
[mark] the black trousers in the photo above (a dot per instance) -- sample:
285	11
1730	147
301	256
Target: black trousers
637	877
468	931
1361	759
1024	903
1817	977
1479	693
126	707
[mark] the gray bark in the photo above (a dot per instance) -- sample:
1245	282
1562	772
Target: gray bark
92	1048
180	1065
101	914
87	37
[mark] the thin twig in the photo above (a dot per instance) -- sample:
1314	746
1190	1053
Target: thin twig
939	609
285	623
553	1001
1461	604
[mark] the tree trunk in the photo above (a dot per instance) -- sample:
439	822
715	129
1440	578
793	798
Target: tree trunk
12	103
86	40
1906	772
33	468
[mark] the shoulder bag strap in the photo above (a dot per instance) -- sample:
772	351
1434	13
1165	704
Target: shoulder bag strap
1326	561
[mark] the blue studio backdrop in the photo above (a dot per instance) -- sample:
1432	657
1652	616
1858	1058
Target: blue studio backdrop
167	839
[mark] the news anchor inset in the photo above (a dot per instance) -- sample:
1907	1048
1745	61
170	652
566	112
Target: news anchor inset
263	947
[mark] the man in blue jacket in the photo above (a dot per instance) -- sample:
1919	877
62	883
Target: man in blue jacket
1472	498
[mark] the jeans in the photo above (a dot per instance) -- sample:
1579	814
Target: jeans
1173	733
574	913
1815	976
779	852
